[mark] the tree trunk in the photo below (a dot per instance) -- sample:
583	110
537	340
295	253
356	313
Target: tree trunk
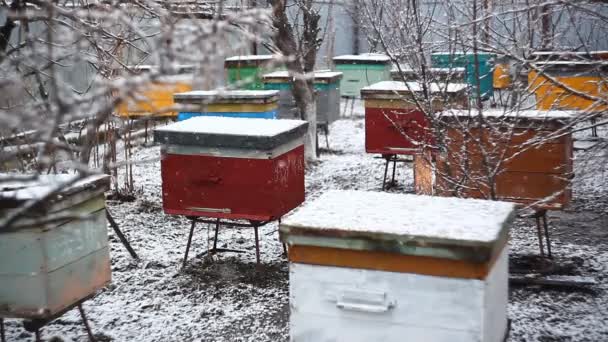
302	62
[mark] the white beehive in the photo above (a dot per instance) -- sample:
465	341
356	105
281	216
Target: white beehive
371	266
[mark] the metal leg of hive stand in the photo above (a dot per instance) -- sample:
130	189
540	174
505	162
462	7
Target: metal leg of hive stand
394	168
283	243
86	323
217	228
547	238
385	172
540	235
317	153
327	136
2	333
257	243
352	107
189	242
38	336
345	106
593	129
120	235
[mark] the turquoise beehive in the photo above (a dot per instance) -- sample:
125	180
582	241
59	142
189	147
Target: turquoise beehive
56	254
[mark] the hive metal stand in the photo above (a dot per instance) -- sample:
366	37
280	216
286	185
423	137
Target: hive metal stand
541	215
217	222
391	158
120	235
324	127
352	100
34	325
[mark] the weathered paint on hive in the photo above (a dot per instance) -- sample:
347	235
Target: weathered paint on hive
44	271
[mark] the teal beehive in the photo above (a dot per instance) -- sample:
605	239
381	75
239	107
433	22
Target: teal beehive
56	254
482	74
362	70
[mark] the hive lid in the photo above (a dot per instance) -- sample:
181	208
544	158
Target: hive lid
569	55
327	76
453	228
250	60
56	192
228	96
529	115
403	88
407	69
240	133
572	65
376	58
324	76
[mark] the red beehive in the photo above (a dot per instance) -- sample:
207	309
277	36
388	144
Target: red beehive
394	123
232	168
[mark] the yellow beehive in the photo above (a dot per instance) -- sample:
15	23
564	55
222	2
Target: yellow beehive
502	78
572	77
155	100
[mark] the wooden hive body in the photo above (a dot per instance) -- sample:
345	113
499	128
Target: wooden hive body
232	168
156	99
394	122
46	268
246	72
526	172
482	74
361	71
260	104
360	272
327	88
569	79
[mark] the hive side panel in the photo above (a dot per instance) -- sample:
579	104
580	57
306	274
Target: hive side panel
343	304
495	300
78	280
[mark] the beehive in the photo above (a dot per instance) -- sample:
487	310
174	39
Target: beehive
440	75
395	124
502	73
370	266
361	71
232	168
531	152
261	104
156	98
326	86
569	79
57	254
246	72
481	74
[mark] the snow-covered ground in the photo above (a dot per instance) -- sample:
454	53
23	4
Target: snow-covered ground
227	299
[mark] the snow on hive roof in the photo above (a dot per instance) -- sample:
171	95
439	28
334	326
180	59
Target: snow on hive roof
37	186
318	74
251	58
524	114
460	53
407	87
367	57
213	95
405	68
223	132
411	217
232	126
